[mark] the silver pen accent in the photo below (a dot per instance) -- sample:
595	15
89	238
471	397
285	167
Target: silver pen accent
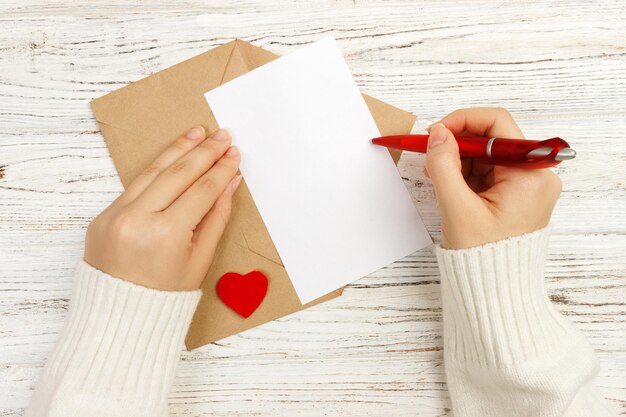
563	155
489	145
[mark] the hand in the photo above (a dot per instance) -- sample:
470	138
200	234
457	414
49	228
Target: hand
162	232
482	203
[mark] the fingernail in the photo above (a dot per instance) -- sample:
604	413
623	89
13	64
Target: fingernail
430	126
221	135
195	133
235	183
232	152
438	135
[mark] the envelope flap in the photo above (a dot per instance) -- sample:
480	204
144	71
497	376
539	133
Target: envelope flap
255	56
145	97
148	114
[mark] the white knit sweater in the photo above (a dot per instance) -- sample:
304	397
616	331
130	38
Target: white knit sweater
507	350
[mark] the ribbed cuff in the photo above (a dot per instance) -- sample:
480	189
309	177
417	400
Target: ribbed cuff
121	342
496	311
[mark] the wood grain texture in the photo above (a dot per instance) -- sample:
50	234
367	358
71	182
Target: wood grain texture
560	67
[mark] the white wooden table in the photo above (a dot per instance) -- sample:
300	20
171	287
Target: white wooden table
560	68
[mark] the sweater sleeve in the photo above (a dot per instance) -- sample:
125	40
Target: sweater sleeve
118	351
507	351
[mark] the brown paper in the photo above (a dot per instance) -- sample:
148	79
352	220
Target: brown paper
140	120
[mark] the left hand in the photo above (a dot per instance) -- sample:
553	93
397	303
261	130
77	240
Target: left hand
162	232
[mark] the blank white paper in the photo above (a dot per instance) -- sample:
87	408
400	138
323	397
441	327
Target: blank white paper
333	203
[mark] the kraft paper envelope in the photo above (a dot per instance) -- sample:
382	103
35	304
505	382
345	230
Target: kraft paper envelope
140	120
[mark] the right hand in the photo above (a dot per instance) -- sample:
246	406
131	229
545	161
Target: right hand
482	203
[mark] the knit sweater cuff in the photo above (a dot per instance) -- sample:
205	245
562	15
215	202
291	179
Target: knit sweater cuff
495	307
121	341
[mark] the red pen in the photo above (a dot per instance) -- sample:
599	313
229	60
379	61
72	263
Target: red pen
496	151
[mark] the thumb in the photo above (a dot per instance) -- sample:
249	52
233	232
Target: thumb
443	163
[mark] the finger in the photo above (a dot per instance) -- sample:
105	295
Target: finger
466	166
477	184
174	180
444	167
210	229
180	147
493	122
490	177
191	207
481	169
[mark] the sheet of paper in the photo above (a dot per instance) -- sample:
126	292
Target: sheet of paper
333	203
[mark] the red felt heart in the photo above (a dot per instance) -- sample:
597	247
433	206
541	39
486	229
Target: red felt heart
242	293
